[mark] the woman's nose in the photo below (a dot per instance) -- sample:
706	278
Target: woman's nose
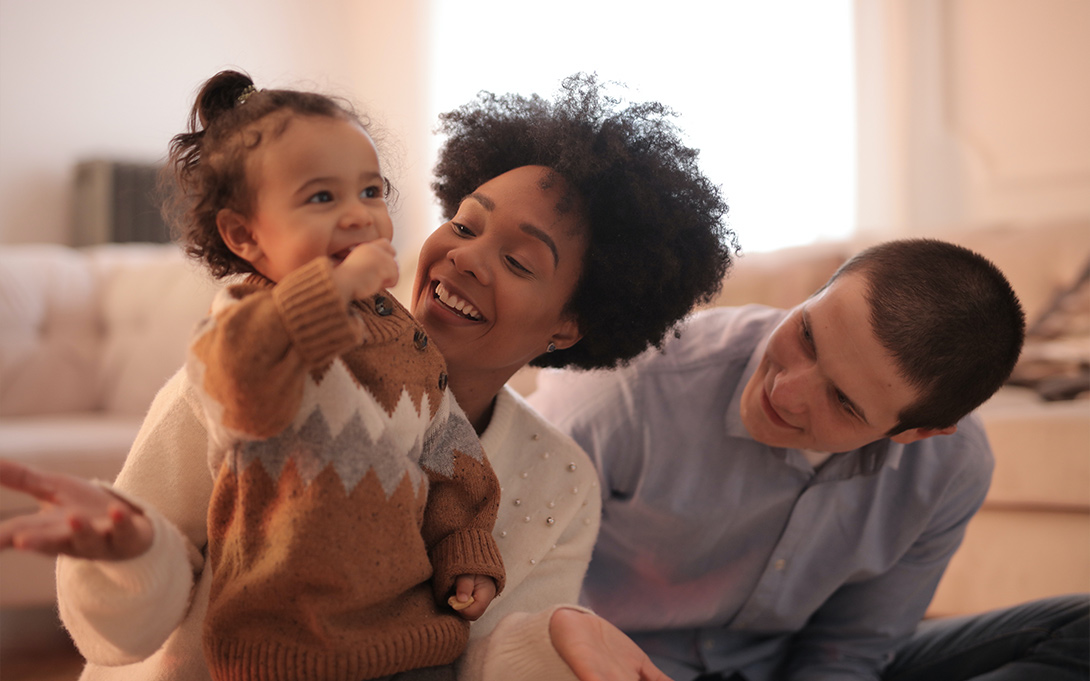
469	260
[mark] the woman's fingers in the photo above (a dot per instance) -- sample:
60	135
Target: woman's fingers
18	477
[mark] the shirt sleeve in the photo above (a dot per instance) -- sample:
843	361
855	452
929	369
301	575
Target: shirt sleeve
854	633
121	612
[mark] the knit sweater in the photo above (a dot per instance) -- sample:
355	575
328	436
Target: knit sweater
315	436
141	619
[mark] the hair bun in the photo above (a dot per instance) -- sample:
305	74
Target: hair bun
222	92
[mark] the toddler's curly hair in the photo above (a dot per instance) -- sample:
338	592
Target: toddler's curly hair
658	241
206	167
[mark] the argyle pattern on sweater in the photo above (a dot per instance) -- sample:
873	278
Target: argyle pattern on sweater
350	489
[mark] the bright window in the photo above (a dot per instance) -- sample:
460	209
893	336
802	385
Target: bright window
765	89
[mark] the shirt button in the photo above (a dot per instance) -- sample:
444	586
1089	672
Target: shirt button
780	565
420	339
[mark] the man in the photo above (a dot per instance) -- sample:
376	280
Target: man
782	490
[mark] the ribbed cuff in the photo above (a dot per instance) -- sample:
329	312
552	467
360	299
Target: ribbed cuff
468	552
314	313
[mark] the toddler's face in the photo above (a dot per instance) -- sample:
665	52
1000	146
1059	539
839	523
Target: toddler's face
318	191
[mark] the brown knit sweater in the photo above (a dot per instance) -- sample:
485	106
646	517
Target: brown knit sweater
350	489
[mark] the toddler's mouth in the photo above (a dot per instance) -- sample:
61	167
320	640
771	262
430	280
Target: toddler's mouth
340	255
457	305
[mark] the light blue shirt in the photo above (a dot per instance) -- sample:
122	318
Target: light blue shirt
718	553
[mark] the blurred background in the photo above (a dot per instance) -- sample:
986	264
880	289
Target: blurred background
821	120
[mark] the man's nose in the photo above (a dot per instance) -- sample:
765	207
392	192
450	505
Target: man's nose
791	389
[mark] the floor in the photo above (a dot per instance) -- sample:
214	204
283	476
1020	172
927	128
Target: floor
33	647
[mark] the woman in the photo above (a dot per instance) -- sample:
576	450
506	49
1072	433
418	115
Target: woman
580	232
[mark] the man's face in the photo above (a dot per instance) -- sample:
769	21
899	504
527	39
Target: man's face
825	382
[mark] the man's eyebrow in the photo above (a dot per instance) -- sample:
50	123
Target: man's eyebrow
851	403
536	232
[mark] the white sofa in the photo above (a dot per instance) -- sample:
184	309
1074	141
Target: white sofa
88	335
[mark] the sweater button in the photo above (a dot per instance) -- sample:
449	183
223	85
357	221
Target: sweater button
420	339
443	381
382	307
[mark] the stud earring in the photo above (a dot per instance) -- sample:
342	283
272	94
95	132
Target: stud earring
551	347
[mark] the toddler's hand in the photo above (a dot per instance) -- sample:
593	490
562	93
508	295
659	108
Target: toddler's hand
77	518
368	269
476	590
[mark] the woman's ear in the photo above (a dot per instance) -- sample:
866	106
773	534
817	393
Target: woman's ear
566	334
235	231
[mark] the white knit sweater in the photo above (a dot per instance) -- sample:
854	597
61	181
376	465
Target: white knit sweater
141	619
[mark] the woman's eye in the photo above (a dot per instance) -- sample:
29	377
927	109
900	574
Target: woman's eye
516	265
321	197
460	229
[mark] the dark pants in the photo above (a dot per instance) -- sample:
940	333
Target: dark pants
429	674
1046	640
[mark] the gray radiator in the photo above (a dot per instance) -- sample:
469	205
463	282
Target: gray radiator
116	201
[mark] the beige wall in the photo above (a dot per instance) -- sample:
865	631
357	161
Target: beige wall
115	78
972	113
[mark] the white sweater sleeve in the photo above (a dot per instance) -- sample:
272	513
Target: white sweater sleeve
120	612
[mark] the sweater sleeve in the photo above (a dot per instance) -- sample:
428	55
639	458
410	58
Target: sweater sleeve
121	612
463	499
260	343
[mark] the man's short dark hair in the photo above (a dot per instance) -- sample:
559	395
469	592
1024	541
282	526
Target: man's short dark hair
950	319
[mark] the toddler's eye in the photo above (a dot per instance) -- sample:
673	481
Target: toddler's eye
321	197
372	193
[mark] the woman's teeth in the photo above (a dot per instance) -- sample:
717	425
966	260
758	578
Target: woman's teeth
457	304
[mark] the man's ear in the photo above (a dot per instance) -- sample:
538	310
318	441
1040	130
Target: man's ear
566	334
915	434
235	231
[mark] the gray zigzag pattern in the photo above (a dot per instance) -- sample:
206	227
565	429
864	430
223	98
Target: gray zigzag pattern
351	452
450	430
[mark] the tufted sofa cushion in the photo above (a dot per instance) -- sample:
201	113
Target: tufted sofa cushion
97	329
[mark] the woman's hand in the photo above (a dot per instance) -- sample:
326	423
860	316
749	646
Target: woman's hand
598	651
76	518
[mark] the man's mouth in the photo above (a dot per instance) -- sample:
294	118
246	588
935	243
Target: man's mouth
772	414
456	304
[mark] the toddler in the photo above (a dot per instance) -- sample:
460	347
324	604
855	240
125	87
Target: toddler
327	409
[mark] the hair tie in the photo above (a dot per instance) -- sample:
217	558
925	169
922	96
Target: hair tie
250	89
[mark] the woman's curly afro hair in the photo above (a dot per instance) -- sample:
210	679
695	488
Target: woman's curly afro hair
658	242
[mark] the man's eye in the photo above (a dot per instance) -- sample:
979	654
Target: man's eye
321	197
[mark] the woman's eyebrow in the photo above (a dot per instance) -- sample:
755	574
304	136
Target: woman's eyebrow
544	237
536	232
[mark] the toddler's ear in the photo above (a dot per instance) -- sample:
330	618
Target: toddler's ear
235	231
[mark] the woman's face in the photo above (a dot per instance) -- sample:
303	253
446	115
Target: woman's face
492	283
